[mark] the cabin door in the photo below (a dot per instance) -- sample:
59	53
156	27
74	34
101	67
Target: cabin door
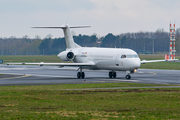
117	60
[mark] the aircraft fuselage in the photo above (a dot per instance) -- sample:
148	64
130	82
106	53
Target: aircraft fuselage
116	59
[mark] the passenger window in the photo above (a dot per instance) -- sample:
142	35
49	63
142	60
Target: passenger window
123	56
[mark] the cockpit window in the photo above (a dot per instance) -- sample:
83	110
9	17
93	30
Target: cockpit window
129	56
136	56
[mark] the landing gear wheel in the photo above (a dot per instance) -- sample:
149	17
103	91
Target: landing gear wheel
110	74
114	75
81	75
78	75
128	77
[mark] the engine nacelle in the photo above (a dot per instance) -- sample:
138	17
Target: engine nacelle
66	56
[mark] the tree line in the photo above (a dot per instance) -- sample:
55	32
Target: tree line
141	42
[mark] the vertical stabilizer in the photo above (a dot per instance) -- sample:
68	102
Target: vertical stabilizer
69	39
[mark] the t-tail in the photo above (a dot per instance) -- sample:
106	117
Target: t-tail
67	34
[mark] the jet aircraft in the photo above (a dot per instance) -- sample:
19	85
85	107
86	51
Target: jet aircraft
93	58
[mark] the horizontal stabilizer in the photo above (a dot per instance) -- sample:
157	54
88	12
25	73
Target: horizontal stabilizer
64	27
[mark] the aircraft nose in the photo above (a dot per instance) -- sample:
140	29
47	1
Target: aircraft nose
137	63
58	55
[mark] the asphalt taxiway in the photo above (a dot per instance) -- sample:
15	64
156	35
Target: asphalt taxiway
35	75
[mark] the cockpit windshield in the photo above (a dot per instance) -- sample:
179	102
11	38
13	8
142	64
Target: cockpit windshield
129	56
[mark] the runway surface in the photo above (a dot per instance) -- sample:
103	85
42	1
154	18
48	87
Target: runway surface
35	75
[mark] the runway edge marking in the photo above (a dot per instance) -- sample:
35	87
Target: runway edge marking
15	77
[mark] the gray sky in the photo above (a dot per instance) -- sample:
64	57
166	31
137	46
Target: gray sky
104	16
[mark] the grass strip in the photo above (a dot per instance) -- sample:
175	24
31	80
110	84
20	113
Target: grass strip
81	86
49	102
161	65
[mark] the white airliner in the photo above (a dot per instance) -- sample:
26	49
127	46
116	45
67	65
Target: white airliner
112	59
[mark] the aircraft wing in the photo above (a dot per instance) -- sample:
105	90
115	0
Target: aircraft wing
55	64
149	61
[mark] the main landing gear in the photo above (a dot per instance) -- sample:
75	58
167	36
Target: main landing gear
112	74
80	74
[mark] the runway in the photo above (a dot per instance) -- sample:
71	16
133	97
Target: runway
35	75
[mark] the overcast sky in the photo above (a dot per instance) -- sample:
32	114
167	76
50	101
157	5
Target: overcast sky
104	16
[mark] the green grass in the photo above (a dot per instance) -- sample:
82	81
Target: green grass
81	86
162	65
49	102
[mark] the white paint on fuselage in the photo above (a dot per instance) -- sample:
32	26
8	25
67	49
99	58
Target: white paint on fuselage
106	58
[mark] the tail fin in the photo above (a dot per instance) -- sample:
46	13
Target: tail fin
67	33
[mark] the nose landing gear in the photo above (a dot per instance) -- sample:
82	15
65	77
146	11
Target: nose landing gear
128	76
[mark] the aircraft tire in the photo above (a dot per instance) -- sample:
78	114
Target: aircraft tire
78	75
110	74
114	74
128	77
83	75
